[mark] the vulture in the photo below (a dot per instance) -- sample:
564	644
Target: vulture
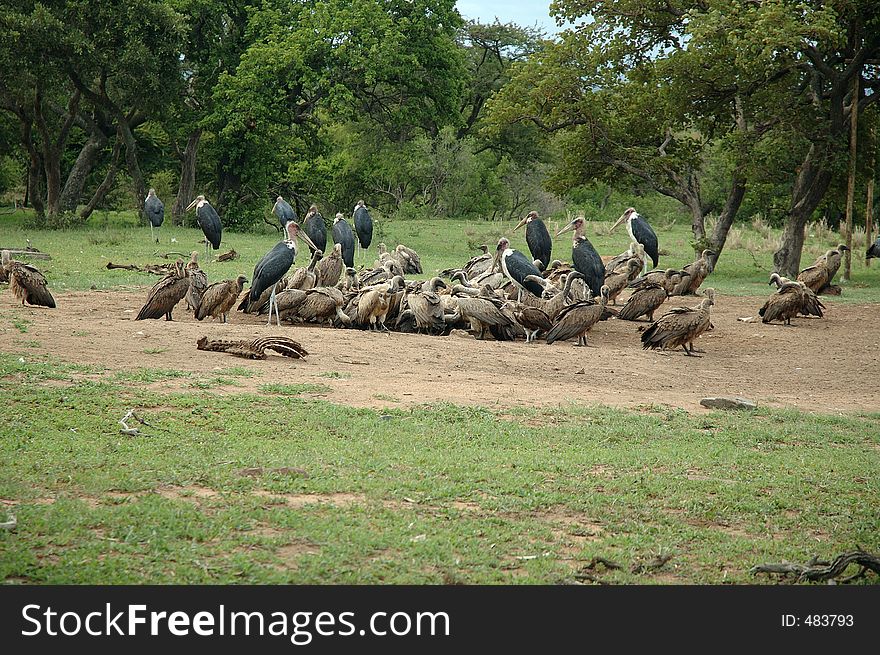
833	259
313	226
329	269
537	238
319	304
644	301
475	266
374	304
27	283
783	305
408	259
533	320
818	276
635	251
810	304
698	271
219	298
873	251
426	306
198	282
305	277
617	281
483	311
155	212
680	326
579	318
165	294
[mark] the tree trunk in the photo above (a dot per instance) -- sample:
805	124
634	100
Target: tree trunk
76	180
134	169
698	222
34	166
809	189
728	214
187	178
106	184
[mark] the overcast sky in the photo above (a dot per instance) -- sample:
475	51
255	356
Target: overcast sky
521	12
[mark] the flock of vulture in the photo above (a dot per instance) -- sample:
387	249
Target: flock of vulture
504	295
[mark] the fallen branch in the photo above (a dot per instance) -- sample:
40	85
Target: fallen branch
167	255
820	571
132	432
155	269
607	563
33	253
658	562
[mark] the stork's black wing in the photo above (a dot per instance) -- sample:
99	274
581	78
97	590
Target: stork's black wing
587	262
271	268
646	236
363	225
343	235
317	231
284	212
155	211
519	267
539	241
210	223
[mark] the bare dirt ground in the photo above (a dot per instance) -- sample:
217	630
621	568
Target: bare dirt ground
825	365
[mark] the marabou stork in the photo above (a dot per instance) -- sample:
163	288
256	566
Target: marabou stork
313	225
363	225
272	267
210	223
640	232
517	268
284	212
537	238
155	211
873	251
343	235
584	256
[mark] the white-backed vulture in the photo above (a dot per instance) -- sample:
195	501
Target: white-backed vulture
680	326
165	294
26	282
219	298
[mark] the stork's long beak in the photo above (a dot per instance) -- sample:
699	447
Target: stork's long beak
305	237
618	221
521	223
191	205
567	228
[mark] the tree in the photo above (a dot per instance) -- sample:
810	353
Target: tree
88	65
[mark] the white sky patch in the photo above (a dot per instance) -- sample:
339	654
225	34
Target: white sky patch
526	13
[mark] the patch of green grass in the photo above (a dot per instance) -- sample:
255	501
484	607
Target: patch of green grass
150	375
34	368
386	397
81	333
294	389
213	382
334	375
30	343
154	351
440	494
21	325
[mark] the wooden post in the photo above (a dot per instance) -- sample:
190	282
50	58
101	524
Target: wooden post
851	185
869	208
